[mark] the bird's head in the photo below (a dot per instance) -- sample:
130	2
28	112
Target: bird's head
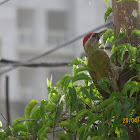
90	41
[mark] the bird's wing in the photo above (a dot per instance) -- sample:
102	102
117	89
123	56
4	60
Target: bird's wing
99	63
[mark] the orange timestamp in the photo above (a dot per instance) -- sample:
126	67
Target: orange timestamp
130	120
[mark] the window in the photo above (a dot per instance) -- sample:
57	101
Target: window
26	27
57	26
32	84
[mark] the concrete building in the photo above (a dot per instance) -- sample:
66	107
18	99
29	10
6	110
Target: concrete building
29	28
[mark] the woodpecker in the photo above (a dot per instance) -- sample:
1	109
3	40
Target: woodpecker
98	60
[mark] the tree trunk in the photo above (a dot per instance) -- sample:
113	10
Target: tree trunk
126	17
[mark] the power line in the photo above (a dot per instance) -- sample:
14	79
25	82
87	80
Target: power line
36	65
14	63
56	47
3	2
7	63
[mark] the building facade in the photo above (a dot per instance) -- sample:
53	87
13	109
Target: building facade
29	28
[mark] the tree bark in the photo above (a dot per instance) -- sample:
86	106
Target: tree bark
126	17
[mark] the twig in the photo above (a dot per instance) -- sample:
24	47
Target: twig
26	120
87	106
8	123
55	116
56	130
63	114
5	119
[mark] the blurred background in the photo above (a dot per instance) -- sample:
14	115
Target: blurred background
31	27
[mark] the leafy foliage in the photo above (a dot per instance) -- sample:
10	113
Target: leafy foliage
108	12
76	106
89	115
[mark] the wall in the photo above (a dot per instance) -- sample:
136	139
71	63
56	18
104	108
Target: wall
28	83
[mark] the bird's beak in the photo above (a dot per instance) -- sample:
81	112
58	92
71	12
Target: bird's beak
101	33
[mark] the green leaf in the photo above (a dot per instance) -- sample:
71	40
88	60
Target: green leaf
120	56
20	127
93	96
80	106
71	136
74	69
107	80
118	37
53	97
67	82
72	121
124	134
106	1
76	61
67	101
59	111
126	107
92	118
135	67
0	124
44	129
49	82
82	113
82	129
83	132
29	108
43	110
73	95
36	113
108	12
50	107
139	75
133	54
101	129
3	136
80	76
118	108
87	134
85	82
68	125
103	85
129	86
64	81
113	58
105	103
134	90
108	112
82	69
119	47
17	121
89	1
96	138
63	136
85	92
42	132
116	95
109	33
85	61
126	88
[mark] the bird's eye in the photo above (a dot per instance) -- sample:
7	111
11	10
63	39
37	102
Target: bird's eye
94	35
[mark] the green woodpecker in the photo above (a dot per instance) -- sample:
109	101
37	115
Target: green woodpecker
98	60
